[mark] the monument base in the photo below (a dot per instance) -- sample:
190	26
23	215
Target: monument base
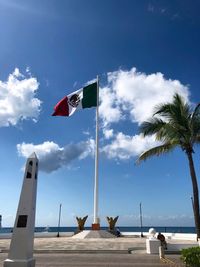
19	263
93	234
152	246
95	226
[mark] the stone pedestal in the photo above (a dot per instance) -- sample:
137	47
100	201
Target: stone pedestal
95	226
152	246
19	263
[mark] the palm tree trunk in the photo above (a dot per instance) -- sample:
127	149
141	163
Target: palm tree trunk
195	193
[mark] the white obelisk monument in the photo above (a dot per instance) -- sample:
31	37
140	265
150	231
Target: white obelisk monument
21	247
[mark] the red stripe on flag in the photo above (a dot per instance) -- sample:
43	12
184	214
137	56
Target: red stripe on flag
61	108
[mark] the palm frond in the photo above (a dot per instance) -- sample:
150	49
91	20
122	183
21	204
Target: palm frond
152	126
196	112
176	113
174	125
157	151
195	121
165	132
163	110
168	133
197	139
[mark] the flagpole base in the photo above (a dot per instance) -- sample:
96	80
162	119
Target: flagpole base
96	226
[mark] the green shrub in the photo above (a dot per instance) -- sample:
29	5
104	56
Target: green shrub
191	256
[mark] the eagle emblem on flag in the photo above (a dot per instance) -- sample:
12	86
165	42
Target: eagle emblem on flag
74	100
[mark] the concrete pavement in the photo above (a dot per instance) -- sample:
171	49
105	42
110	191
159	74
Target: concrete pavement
92	244
105	252
97	260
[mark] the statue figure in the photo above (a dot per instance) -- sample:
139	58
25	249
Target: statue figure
81	222
112	222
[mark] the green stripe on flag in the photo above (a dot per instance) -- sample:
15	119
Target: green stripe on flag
90	96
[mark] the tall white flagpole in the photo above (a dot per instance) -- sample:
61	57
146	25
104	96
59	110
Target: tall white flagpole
96	222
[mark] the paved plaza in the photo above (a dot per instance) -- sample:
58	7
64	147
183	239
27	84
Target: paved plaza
92	244
96	260
105	252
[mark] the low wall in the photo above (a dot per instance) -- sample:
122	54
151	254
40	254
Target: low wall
181	236
178	236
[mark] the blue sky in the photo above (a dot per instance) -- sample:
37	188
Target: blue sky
143	52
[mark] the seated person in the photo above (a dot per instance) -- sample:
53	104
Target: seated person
161	237
118	234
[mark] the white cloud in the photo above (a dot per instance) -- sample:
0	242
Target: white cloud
86	132
52	157
108	133
109	109
136	94
17	99
151	8
132	96
124	147
127	96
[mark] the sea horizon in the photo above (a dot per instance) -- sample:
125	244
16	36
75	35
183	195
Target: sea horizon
164	229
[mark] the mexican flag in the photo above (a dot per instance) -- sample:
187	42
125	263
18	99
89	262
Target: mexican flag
85	97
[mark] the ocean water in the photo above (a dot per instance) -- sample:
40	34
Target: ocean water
163	229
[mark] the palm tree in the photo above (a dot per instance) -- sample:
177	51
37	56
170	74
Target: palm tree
176	125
